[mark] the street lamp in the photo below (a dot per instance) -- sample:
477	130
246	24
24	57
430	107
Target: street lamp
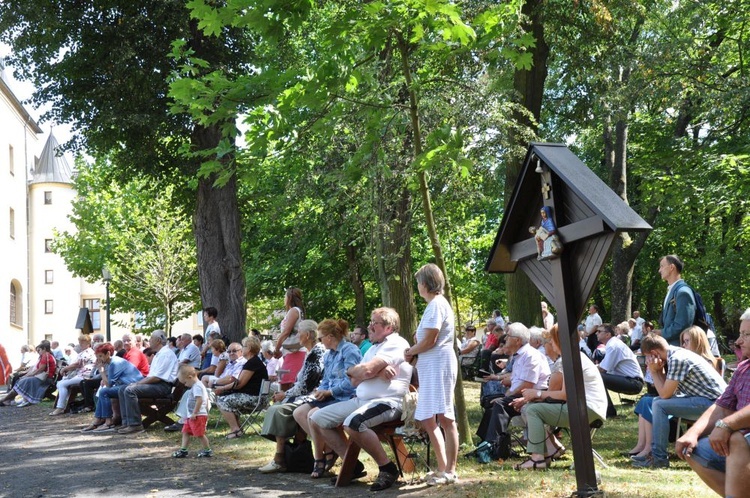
107	277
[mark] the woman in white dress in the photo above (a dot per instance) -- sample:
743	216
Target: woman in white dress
437	368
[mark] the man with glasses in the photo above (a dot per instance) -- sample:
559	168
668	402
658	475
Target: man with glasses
530	371
381	379
620	370
358	336
717	446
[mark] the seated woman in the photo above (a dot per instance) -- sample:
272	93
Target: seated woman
692	338
116	374
217	364
470	347
82	369
555	413
34	383
245	390
272	363
334	387
279	424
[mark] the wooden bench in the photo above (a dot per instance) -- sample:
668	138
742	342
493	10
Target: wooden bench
157	409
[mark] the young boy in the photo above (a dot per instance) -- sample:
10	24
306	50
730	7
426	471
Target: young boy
197	412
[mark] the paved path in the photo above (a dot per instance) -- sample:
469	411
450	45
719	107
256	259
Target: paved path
48	457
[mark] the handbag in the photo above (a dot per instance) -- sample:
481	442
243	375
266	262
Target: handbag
299	456
41	376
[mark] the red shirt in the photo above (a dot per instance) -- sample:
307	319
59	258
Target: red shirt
137	358
491	342
47	363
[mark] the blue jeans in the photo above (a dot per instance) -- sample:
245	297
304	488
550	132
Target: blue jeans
690	407
104	405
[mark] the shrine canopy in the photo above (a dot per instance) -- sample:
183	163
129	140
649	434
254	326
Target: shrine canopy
589	216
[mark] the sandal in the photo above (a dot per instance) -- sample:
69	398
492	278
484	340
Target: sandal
559	452
319	470
535	464
330	459
235	434
91	427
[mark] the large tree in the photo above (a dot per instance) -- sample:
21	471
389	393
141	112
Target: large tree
105	68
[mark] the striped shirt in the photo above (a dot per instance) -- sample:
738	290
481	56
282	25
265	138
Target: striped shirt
695	376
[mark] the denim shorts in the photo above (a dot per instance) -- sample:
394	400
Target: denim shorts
707	457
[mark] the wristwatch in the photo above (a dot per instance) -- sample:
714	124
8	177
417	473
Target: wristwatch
720	423
538	394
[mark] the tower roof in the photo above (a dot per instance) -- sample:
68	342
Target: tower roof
52	168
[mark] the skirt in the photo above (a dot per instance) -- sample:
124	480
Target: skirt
237	402
32	389
279	421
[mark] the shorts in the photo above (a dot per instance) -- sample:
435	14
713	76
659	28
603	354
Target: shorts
707	457
195	426
321	404
358	414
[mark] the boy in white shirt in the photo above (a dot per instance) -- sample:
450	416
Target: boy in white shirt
197	412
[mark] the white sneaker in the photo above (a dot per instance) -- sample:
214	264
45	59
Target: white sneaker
23	403
436	479
272	467
451	478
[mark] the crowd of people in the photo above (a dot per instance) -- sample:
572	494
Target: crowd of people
334	385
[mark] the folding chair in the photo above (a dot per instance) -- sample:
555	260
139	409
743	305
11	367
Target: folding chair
593	426
252	418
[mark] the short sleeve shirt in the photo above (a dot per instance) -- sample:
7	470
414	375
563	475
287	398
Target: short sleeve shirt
620	360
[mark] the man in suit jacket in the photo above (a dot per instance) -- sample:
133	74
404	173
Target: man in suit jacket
678	312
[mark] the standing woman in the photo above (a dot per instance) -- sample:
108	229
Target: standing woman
288	344
437	368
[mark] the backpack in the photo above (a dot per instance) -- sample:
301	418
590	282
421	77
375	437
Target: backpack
702	318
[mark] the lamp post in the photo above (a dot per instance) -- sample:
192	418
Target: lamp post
107	277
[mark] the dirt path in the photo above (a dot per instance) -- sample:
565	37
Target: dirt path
46	457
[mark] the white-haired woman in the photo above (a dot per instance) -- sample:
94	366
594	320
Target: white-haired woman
437	368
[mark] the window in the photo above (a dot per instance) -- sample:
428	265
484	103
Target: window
48	307
48	197
140	320
12	224
49	276
94	306
15	304
11	160
47	245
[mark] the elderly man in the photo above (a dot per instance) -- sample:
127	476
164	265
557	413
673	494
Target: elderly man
620	370
530	371
134	355
190	354
158	384
381	378
721	457
687	385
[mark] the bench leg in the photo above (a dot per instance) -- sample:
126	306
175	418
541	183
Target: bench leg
347	465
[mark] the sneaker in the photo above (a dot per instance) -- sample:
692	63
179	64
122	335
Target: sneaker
651	463
176	427
384	481
23	403
272	467
207	453
131	429
181	453
451	478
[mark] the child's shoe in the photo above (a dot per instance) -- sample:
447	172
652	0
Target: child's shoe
181	453
207	453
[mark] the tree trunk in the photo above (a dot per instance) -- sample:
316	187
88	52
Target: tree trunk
462	421
358	287
523	296
216	226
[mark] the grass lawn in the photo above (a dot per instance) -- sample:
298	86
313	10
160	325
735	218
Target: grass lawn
499	479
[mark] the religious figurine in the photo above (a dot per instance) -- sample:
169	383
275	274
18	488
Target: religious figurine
547	241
